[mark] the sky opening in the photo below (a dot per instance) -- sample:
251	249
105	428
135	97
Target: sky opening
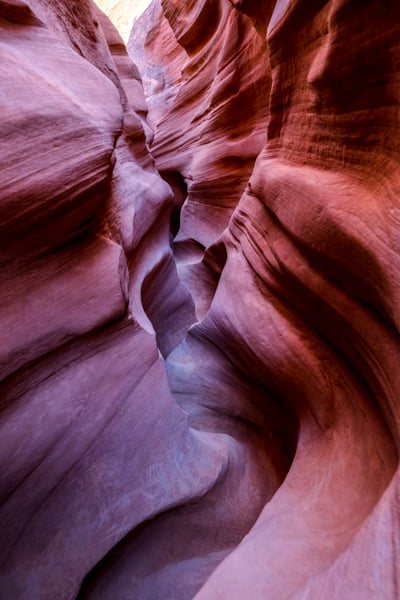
123	13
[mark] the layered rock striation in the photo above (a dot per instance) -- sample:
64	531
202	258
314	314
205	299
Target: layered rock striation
299	293
199	377
91	438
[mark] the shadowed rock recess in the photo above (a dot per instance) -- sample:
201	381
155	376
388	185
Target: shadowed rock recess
199	301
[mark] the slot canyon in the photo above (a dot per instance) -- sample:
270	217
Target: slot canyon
200	300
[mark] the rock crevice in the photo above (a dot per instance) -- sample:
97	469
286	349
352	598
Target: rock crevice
199	327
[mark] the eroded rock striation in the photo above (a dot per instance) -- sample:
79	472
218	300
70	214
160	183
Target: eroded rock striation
91	439
199	392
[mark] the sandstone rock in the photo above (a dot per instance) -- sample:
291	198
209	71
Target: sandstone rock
299	294
226	68
199	393
84	222
160	60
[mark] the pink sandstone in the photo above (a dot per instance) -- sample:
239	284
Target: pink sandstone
199	292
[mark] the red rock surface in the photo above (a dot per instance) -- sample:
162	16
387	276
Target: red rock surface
91	439
222	97
228	429
314	229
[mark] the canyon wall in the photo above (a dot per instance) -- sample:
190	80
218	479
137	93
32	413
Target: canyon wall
293	270
92	442
199	301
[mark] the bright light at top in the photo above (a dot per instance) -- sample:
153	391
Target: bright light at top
123	13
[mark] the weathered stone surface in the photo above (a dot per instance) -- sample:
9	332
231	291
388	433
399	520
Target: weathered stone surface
299	296
228	428
91	438
226	69
159	58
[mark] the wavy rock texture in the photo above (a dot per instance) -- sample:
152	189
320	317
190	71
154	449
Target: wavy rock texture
92	442
227	69
228	429
298	297
160	60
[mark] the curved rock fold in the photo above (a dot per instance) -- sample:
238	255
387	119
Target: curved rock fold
200	279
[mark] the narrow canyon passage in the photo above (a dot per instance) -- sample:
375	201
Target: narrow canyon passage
199	325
